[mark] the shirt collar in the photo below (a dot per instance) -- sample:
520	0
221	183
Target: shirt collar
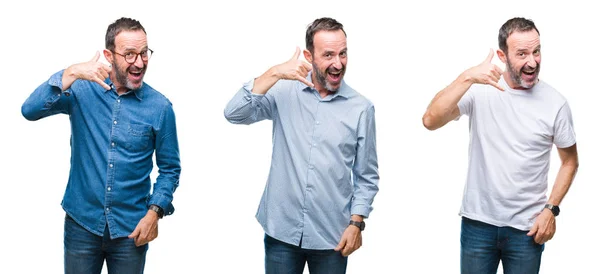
343	91
139	93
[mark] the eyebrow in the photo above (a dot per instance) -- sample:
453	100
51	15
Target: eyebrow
525	49
134	49
333	51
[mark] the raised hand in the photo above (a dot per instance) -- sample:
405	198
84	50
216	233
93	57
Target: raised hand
91	70
486	72
295	69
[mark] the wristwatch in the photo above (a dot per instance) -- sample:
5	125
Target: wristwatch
158	210
360	225
554	208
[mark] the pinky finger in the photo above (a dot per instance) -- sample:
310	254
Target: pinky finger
306	82
104	85
497	86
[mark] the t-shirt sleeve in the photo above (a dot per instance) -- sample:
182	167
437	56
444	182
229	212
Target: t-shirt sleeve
564	133
465	104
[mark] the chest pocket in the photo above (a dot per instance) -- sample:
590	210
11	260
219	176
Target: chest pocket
139	137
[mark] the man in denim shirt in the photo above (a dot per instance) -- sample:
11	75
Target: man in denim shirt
324	173
117	123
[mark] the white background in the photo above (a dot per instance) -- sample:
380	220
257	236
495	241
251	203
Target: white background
400	55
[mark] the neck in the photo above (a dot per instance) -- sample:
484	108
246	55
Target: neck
121	89
323	92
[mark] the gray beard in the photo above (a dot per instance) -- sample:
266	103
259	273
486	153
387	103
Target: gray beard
322	79
516	76
122	77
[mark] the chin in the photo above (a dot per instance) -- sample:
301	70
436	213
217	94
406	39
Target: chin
135	86
530	84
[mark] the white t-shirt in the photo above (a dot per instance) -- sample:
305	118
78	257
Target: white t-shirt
512	133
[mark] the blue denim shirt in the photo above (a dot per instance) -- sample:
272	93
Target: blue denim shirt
324	162
113	139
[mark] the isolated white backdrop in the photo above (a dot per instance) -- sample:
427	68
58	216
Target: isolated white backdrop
400	55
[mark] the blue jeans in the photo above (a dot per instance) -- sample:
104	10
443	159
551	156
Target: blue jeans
483	246
85	252
284	258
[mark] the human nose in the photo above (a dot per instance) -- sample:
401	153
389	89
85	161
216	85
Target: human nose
531	61
337	63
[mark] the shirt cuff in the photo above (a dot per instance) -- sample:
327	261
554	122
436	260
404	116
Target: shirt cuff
56	79
163	203
248	86
361	209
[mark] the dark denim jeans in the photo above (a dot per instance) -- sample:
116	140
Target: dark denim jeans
483	246
85	252
283	258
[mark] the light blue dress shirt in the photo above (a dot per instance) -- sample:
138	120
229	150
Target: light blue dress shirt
113	139
324	162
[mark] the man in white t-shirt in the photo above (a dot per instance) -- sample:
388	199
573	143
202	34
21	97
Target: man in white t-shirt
514	119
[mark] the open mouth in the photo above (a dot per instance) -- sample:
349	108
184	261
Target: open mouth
529	74
334	76
529	71
136	74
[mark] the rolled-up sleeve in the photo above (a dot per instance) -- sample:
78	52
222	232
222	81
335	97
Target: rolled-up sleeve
365	170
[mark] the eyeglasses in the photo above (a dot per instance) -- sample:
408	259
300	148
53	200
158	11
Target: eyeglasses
131	57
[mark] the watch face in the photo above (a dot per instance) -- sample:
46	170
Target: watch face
556	210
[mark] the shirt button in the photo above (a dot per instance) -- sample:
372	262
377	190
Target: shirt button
115	122
314	144
112	144
311	167
110	165
318	123
118	100
108	209
108	188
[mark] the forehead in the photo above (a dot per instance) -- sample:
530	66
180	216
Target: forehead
334	40
131	39
523	40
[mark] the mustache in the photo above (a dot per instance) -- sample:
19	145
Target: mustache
529	68
136	68
334	70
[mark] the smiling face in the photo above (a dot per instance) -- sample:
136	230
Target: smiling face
127	76
522	60
329	58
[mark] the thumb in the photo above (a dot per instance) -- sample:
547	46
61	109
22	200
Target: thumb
533	230
490	56
340	245
96	57
297	54
135	233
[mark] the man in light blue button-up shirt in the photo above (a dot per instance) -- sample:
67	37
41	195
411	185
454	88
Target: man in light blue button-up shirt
324	171
118	123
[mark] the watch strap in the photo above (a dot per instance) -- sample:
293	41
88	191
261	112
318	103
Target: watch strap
158	210
553	208
360	225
